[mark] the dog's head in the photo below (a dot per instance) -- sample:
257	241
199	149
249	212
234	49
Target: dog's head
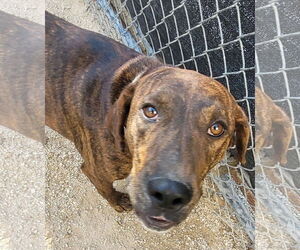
177	124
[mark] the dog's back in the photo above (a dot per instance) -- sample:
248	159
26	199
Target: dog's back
79	68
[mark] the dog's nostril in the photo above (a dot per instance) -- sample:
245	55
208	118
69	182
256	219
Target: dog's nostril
158	196
177	201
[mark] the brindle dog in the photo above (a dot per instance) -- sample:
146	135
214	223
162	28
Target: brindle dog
131	115
273	127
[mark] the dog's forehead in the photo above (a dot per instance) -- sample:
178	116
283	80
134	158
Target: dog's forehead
185	83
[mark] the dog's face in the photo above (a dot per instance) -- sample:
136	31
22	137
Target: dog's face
178	124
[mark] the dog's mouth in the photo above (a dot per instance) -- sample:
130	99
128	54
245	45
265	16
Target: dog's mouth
157	223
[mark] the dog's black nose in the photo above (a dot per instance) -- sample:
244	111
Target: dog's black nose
169	194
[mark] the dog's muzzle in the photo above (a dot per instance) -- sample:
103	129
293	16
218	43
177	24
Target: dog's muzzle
168	200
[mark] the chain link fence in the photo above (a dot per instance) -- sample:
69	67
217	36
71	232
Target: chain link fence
277	75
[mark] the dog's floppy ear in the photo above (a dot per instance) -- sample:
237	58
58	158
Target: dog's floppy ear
282	134
123	87
116	119
130	72
242	133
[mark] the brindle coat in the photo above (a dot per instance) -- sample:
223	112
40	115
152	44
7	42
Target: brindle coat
22	76
273	127
95	91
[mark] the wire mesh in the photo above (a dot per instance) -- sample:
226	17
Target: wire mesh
277	75
215	38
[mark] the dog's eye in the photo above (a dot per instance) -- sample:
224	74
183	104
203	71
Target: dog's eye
217	129
150	112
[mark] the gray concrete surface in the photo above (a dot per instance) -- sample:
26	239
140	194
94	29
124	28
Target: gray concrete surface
22	186
32	10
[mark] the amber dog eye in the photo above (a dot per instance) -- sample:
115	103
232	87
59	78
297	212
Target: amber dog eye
217	129
150	112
